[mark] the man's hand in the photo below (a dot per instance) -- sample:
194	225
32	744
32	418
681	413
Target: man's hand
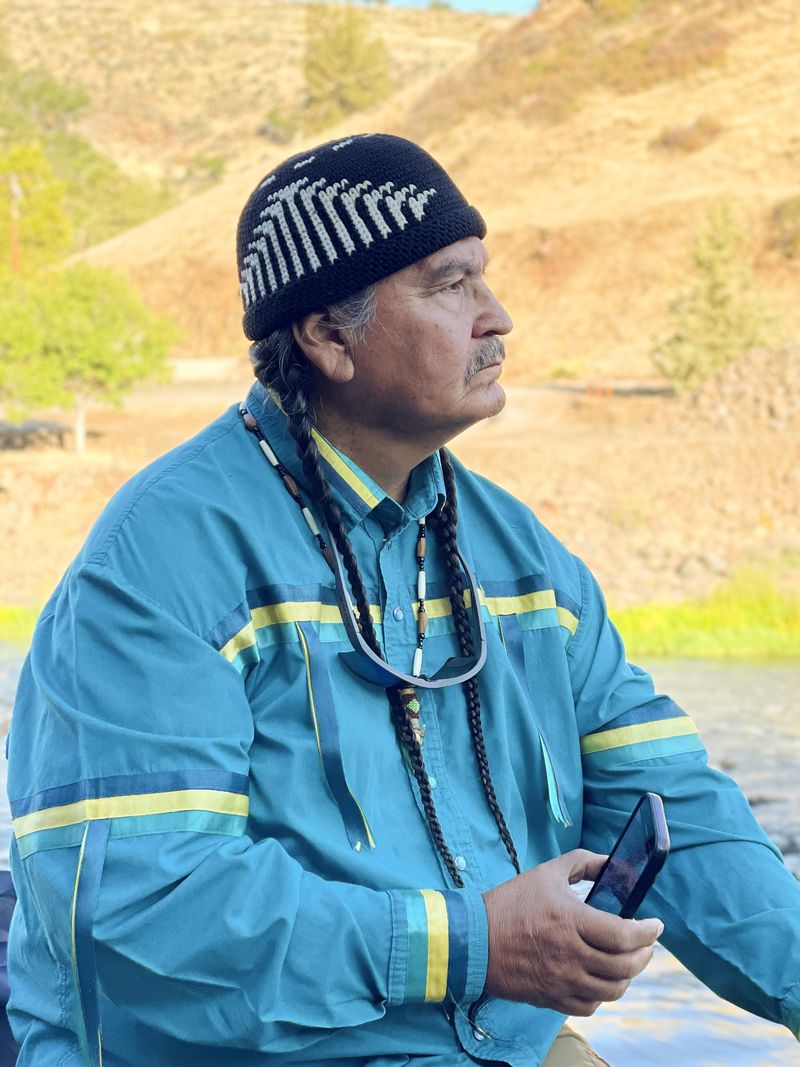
548	948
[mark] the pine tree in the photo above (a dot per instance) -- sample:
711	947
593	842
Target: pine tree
346	67
722	316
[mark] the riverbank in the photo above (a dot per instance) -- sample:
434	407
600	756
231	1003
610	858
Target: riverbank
691	524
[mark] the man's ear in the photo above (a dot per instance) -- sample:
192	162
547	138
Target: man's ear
324	347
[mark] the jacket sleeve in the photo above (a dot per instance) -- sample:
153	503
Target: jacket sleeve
730	907
128	776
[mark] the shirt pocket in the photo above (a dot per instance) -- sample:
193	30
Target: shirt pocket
536	623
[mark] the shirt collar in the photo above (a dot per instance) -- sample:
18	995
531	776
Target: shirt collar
355	492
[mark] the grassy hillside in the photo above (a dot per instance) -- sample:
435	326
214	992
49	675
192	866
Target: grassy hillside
598	139
179	89
100	199
544	69
593	137
598	166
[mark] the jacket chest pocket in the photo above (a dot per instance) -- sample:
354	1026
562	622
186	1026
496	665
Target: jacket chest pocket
534	656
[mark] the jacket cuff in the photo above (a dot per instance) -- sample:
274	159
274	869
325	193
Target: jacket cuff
790	1010
440	946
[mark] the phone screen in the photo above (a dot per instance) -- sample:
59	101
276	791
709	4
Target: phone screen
626	865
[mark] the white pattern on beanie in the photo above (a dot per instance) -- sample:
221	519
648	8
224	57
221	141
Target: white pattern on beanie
266	259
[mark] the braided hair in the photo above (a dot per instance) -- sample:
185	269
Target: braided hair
280	364
444	525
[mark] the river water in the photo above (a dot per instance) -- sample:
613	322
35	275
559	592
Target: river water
749	716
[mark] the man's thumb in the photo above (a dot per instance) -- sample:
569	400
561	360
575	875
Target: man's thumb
582	864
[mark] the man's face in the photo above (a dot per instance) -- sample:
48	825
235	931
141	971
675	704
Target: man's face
429	366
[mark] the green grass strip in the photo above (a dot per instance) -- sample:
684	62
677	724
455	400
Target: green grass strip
749	617
16	625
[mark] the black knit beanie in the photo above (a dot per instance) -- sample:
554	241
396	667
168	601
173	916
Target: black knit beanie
330	221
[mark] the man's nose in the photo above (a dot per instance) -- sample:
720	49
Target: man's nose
493	317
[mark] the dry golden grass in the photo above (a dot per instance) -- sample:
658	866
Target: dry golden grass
544	68
173	82
589	227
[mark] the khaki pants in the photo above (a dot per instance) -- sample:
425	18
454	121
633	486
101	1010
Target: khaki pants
572	1050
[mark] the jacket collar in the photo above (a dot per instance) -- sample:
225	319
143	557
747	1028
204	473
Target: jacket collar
353	489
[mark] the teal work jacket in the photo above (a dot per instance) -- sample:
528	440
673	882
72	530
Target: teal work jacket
219	850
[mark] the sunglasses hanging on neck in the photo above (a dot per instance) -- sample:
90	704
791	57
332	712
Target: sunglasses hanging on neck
363	662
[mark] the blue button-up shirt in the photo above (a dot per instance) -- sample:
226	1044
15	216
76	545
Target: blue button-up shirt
220	851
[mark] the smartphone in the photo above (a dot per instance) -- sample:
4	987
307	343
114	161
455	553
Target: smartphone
635	860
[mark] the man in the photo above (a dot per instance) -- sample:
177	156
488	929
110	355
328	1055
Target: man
317	728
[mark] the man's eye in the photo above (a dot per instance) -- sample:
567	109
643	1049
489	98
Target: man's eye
455	285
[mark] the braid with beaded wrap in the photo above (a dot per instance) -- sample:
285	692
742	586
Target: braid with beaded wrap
278	363
300	425
445	527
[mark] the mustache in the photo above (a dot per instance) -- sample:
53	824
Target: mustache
492	350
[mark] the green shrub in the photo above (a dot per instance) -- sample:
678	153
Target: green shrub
722	316
75	335
346	67
32	101
616	10
99	199
203	171
16	624
567	370
34	228
279	126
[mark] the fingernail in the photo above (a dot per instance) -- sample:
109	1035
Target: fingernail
660	929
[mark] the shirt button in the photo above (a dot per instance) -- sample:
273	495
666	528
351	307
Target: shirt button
432	781
399	614
461	863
